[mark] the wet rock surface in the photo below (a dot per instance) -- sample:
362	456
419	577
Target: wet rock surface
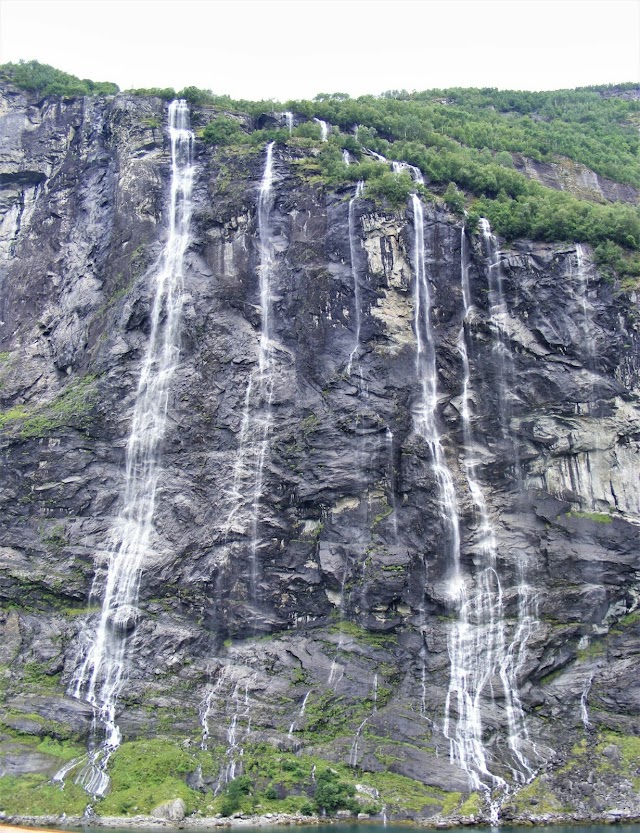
341	591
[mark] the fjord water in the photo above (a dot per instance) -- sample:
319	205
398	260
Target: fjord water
377	827
103	669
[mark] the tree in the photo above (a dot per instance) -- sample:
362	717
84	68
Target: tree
222	131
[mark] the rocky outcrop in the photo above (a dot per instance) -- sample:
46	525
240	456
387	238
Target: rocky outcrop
564	174
339	617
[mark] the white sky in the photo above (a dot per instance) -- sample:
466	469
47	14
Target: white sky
297	48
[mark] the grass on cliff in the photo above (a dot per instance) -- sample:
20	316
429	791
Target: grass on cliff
34	795
612	756
146	773
71	408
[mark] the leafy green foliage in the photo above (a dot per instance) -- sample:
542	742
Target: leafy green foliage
145	773
332	793
45	80
454	198
612	259
223	130
234	793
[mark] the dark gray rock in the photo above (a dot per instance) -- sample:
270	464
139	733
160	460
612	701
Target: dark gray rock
345	593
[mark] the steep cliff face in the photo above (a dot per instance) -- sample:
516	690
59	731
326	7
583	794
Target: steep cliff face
323	615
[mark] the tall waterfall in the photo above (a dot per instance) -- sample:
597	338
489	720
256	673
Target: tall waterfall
100	678
425	415
479	649
354	243
587	316
499	318
256	416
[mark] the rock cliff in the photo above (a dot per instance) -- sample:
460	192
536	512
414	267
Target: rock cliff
317	618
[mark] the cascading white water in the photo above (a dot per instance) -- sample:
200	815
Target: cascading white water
353	754
354	245
587	315
345	157
102	672
499	318
324	129
207	705
479	650
416	173
253	444
584	701
289	117
234	753
303	707
425	414
331	680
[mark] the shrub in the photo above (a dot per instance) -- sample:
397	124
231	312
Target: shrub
44	80
222	131
333	794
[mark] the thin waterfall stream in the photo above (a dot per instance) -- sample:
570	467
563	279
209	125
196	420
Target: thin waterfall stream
253	444
100	676
354	243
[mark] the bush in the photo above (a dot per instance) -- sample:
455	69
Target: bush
45	80
222	131
234	793
333	794
454	198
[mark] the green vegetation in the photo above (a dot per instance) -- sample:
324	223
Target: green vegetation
466	142
33	794
375	640
596	517
222	131
145	773
45	80
71	408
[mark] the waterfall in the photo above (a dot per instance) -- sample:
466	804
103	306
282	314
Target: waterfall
345	157
478	646
425	415
102	673
289	117
584	697
206	706
253	444
324	129
235	751
353	754
303	707
499	313
587	318
391	477
416	173
354	244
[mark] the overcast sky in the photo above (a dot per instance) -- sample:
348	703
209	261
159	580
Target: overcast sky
297	48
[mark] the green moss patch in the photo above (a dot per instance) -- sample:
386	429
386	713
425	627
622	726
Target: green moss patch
595	517
71	408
